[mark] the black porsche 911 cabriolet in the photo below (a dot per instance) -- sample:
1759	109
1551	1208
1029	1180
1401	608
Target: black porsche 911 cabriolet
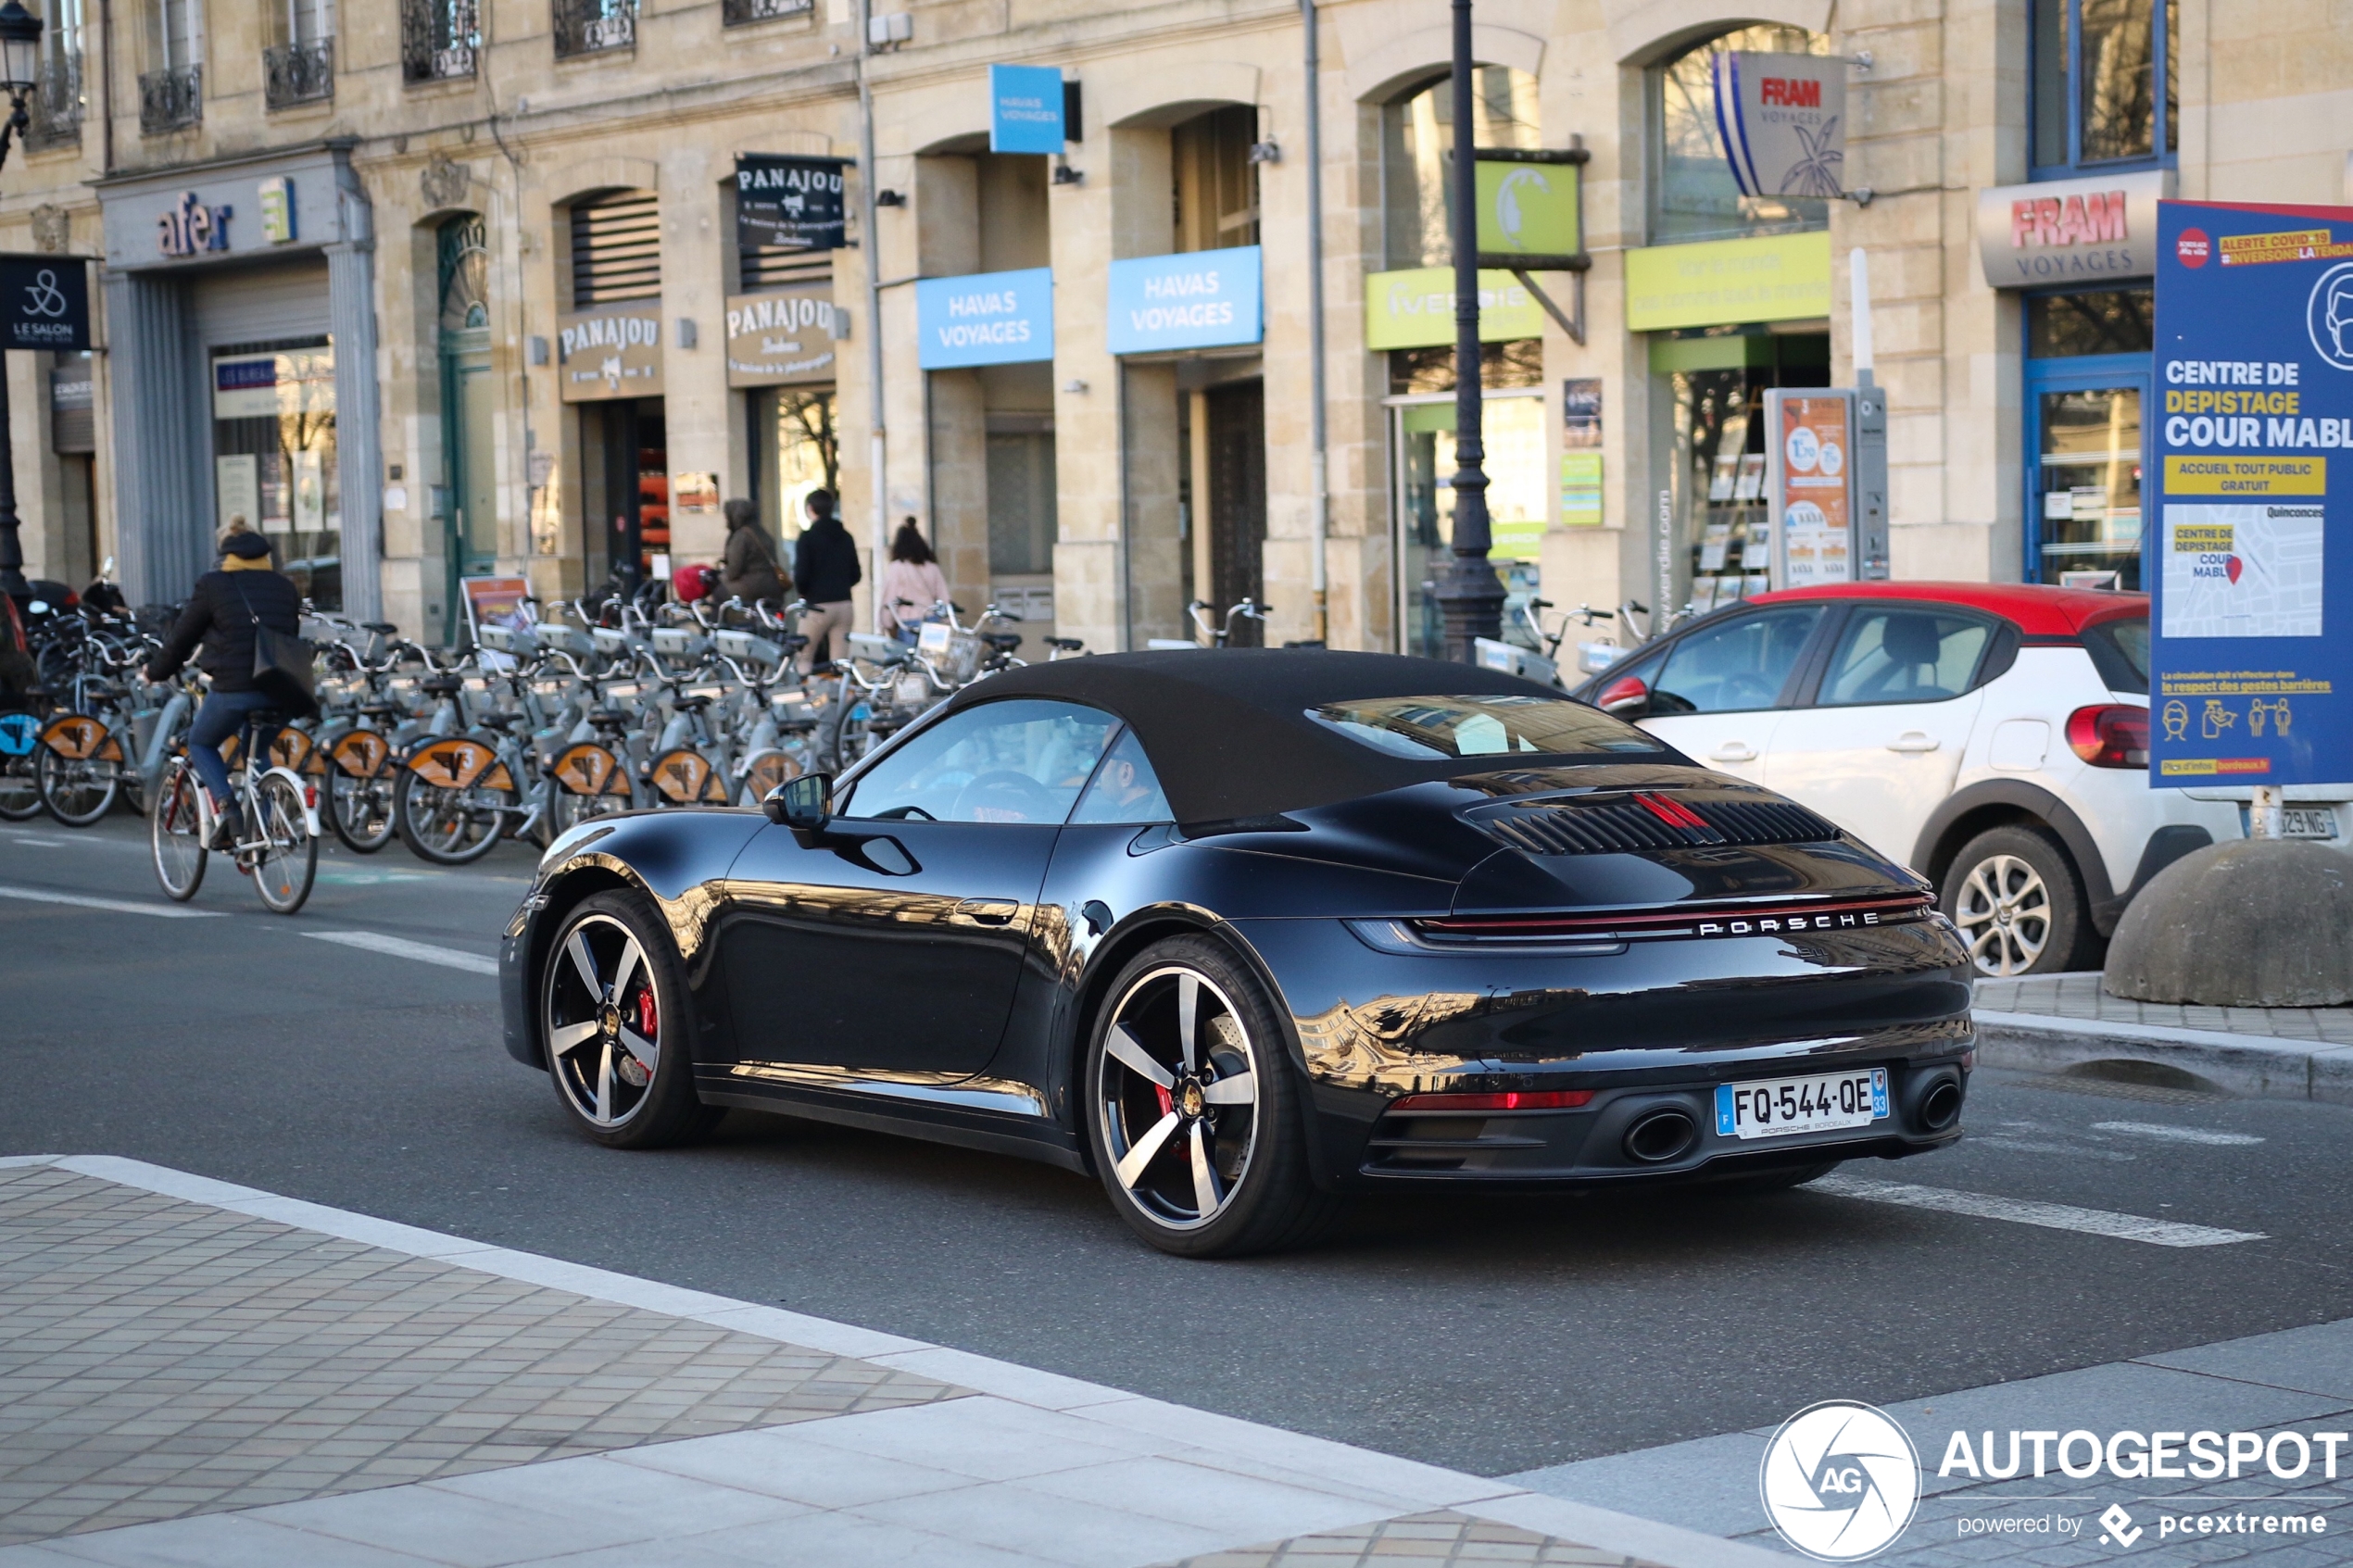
1247	932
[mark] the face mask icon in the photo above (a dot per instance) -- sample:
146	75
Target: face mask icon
2339	316
2328	317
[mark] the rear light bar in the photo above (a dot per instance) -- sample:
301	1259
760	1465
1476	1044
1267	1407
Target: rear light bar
1515	1100
2110	735
1737	920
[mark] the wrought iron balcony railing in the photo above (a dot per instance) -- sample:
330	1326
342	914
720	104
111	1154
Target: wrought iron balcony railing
55	104
171	100
298	73
733	12
588	27
439	39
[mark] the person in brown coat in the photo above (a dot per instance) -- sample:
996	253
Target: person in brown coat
749	568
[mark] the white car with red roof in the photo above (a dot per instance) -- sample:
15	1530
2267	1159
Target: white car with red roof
1993	736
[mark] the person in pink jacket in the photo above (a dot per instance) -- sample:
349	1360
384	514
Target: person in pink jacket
912	585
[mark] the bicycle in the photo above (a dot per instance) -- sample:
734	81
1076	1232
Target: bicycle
280	846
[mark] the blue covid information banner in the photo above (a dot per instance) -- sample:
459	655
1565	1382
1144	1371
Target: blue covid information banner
1194	299
1026	109
984	318
2251	560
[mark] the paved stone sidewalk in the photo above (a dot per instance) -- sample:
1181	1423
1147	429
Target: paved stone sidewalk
198	1375
2078	995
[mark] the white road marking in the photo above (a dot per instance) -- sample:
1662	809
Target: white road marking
401	947
40	843
2025	1212
117	906
2177	1134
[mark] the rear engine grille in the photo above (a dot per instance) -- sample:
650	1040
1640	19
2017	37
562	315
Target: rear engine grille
1650	820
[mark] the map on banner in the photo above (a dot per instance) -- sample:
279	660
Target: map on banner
2242	570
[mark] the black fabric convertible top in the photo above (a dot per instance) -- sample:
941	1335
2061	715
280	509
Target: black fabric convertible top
1225	727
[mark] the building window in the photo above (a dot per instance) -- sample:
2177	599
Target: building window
2088	359
616	248
171	97
734	13
589	27
300	68
55	104
439	39
2104	88
1216	191
1417	135
1693	195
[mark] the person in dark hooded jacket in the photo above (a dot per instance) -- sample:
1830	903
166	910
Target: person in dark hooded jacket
221	615
826	568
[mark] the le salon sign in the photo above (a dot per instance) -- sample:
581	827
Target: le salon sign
2070	231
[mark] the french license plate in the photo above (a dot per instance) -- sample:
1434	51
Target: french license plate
1779	1107
2307	821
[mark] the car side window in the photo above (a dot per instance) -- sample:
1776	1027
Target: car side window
1903	654
1125	788
1741	664
1019	760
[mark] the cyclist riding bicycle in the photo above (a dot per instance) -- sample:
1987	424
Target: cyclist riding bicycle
221	614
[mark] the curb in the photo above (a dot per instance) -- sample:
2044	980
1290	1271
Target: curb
2254	1066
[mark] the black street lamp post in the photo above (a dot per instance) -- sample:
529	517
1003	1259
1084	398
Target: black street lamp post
19	72
1470	597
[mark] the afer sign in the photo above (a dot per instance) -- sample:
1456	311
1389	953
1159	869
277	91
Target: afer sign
2064	230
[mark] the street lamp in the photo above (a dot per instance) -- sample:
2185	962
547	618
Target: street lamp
19	72
1470	597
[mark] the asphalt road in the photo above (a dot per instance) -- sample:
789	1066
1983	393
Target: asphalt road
1493	1335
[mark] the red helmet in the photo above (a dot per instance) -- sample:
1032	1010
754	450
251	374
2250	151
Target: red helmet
691	582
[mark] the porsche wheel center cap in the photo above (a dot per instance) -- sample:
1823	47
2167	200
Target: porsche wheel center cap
1191	1100
609	1020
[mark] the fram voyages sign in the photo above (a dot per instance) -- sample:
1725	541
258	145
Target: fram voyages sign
2060	230
2255	483
1783	121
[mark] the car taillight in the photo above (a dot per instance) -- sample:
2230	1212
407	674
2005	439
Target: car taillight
1516	1099
2112	736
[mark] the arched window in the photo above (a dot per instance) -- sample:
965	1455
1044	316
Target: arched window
464	273
1417	132
1693	196
466	500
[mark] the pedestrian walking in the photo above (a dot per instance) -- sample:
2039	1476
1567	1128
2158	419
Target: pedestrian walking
913	584
825	566
748	567
221	614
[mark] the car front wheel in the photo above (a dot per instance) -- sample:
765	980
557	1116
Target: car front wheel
614	1014
2014	894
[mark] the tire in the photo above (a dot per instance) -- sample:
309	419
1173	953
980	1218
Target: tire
282	871
359	810
78	794
1195	1175
20	784
175	836
448	827
594	1001
2020	907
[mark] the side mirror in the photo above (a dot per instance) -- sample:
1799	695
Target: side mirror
805	802
1626	696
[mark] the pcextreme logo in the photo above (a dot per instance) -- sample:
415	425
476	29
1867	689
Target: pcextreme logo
1840	1481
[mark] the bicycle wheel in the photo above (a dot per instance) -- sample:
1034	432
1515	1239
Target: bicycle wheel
359	810
288	859
76	791
175	830
446	826
20	783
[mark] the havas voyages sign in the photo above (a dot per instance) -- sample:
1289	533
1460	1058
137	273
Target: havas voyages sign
793	203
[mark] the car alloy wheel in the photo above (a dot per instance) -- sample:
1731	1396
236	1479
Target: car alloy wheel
2004	912
603	1022
1178	1091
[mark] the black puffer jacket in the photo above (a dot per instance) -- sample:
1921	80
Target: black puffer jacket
221	614
825	561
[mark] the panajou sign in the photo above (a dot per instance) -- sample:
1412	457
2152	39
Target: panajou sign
795	203
776	339
610	351
1783	121
1194	299
1415	309
2069	230
984	318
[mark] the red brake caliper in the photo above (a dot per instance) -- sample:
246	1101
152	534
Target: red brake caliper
646	1023
1167	1100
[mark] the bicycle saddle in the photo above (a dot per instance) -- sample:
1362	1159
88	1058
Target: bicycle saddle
1068	645
1003	642
379	710
690	704
387	627
608	718
441	685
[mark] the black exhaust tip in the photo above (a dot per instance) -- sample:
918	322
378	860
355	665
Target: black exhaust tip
1941	1107
1661	1137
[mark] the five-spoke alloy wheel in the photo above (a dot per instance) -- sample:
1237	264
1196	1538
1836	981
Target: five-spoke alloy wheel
2014	896
611	1006
1194	1123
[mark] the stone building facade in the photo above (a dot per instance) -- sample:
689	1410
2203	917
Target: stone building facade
441	289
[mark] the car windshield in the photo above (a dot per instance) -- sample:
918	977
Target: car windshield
2120	649
1435	729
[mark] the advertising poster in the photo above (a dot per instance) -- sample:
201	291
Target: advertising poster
1812	441
2255	364
1582	453
497	601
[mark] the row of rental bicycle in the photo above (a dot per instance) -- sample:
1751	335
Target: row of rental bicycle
576	709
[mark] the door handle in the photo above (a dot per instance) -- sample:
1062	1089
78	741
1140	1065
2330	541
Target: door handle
1734	751
989	911
1914	740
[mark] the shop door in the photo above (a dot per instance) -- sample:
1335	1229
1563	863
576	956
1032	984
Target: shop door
468	413
1238	502
2084	429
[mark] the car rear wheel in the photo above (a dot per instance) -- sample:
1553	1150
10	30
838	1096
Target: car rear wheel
2014	894
1192	1114
614	1014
